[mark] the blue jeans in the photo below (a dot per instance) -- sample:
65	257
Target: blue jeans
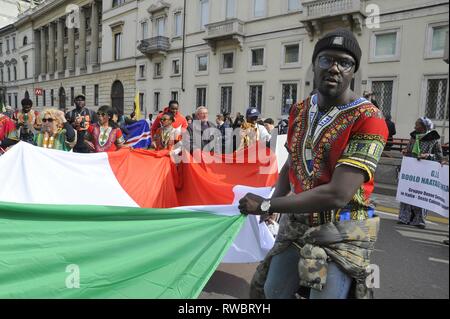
283	280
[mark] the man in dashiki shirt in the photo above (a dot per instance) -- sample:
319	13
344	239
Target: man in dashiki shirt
327	227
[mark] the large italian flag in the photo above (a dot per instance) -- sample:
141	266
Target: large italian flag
129	224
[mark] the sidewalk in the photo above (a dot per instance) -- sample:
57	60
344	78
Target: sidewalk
388	204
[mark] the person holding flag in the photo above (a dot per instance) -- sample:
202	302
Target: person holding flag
180	124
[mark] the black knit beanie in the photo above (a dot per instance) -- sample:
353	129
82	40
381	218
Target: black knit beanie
340	39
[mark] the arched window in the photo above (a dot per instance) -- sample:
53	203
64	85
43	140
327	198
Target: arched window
117	96
25	41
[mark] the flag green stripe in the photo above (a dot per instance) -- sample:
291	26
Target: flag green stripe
121	252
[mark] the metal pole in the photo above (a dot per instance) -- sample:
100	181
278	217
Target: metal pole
444	125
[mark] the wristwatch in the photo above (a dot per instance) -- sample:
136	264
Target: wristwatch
265	206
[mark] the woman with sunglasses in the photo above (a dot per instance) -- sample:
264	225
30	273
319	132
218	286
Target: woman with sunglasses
166	136
104	136
56	132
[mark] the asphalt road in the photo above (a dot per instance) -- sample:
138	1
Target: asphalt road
413	264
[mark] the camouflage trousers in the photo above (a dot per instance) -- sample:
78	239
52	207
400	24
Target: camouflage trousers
348	243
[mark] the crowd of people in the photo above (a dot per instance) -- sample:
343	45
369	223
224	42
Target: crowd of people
335	141
83	130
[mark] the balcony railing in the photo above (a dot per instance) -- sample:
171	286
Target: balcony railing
224	29
340	13
328	8
154	45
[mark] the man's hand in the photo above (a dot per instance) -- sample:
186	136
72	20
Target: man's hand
250	204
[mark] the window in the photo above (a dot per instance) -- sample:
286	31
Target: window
65	63
436	40
1	47
178	24
158	70
13	43
436	90
255	96
291	53
1	75
25	69
385	46
204	13
289	97
96	94
226	98
201	97
174	95
156	101
25	41
230	9
117	3
9	100
176	67
160	26
202	63
44	98
257	57
37	101
72	96
259	8
293	5
144	30
383	92
7	45
52	97
142	71
16	104
9	74
15	73
117	44
228	61
83	90
141	101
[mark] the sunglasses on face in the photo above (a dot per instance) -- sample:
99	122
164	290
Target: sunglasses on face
344	65
102	114
47	120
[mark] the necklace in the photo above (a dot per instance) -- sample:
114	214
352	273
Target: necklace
48	141
104	135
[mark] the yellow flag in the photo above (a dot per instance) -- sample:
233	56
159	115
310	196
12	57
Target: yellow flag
137	106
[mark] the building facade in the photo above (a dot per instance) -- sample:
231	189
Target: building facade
228	54
66	48
257	53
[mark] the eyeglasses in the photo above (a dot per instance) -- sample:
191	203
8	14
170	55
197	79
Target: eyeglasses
165	120
102	114
344	65
47	120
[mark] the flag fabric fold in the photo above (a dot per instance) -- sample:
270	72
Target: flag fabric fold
138	135
118	252
136	224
